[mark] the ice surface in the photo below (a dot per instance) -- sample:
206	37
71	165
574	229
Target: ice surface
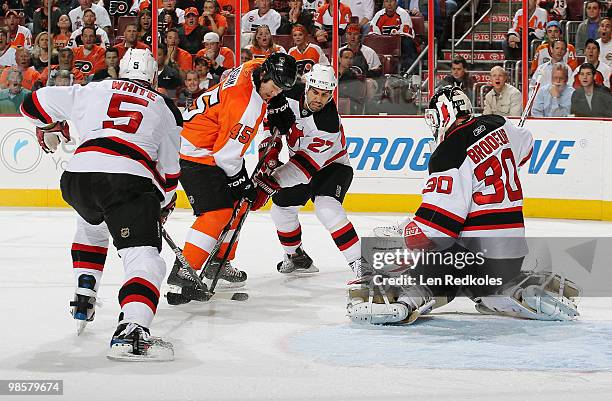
291	340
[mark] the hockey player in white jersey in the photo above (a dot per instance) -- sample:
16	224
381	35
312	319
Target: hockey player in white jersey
121	181
472	202
318	169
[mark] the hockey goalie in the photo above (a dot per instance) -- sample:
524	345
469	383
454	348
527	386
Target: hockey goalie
472	203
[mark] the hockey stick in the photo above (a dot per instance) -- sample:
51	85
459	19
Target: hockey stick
227	227
530	102
237	296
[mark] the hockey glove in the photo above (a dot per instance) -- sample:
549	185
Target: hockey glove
167	210
50	137
266	187
241	186
280	116
271	157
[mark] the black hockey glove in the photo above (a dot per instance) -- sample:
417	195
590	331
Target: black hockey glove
167	210
280	115
241	186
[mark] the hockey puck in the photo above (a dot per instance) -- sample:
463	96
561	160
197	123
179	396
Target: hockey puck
240	296
176	299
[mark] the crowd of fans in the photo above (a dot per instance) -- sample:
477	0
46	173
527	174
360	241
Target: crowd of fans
196	49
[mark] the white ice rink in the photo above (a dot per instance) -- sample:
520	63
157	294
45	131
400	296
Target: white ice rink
290	340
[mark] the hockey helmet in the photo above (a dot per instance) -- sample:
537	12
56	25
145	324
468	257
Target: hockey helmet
446	105
321	77
281	68
138	64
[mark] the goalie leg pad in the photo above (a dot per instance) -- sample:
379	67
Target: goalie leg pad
373	313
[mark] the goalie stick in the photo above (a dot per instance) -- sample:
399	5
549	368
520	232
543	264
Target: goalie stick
234	296
226	229
529	103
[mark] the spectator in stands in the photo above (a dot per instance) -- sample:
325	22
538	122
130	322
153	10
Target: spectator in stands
212	19
297	15
205	78
18	35
245	55
542	53
588	29
120	8
557	55
555	98
40	52
89	57
312	5
263	15
171	16
191	33
65	59
323	21
40	18
186	95
102	17
590	100
130	41
63	78
89	20
537	22
12	97
229	6
504	99
602	71
111	60
394	20
28	8
144	27
397	98
29	74
350	86
222	58
262	43
168	78
177	58
65	6
305	53
7	53
459	76
557	10
605	42
64	31
364	11
365	59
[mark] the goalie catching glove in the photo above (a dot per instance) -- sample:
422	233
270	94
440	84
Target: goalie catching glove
49	137
266	186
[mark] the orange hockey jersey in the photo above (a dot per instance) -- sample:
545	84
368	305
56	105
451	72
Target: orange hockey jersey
223	121
91	63
261	53
310	56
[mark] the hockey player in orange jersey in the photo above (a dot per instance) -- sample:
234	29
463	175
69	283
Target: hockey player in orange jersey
218	130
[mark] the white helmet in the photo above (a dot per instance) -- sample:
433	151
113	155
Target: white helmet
321	77
138	64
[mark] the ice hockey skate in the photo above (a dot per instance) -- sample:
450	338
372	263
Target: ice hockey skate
185	286
298	263
83	305
134	343
229	277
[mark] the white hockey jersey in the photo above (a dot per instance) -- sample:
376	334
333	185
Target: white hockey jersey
123	126
473	193
316	140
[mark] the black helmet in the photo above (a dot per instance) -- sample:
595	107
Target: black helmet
446	105
281	68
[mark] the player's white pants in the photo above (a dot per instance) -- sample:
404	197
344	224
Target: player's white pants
144	270
333	217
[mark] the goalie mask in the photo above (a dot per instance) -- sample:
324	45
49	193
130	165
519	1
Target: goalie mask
445	106
138	64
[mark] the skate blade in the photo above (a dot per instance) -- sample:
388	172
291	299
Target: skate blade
229	285
303	272
420	312
123	353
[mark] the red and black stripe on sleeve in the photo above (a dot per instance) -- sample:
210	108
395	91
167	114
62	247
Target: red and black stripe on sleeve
439	219
88	256
140	290
495	219
305	163
31	107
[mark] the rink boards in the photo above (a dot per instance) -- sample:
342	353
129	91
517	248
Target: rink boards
565	178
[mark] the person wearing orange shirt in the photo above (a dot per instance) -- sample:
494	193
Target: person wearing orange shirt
221	57
305	53
262	43
65	58
394	20
131	40
19	36
217	131
61	39
29	73
212	19
537	25
89	58
177	57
